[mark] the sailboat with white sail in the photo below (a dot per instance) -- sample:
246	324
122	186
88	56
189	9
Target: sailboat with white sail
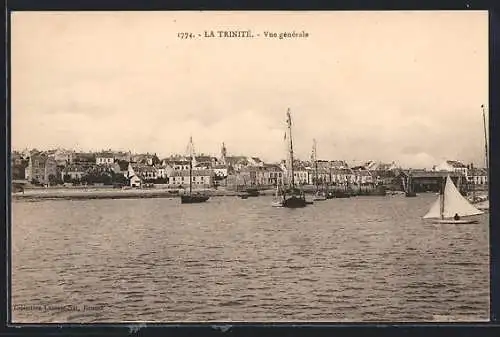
289	195
451	206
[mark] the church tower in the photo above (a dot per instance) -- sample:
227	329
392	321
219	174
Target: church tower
223	154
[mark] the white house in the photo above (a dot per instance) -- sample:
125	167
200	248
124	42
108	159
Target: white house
200	179
221	170
163	171
452	166
73	172
135	181
478	176
104	158
342	176
363	177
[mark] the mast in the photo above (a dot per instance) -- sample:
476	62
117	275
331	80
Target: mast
473	183
289	123
315	165
441	204
485	144
408	182
191	164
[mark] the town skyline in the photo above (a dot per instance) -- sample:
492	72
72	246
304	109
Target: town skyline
360	162
404	86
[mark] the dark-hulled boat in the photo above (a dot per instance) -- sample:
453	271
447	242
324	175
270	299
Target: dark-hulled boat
291	196
252	192
192	198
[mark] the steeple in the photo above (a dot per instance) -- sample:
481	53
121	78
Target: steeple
223	153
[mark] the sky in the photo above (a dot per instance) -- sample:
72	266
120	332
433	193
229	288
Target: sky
385	86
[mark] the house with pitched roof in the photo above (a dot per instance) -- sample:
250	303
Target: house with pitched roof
73	172
143	171
201	179
40	168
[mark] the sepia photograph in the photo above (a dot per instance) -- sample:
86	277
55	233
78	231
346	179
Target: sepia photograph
249	166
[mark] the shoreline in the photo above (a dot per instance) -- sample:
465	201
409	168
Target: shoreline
110	193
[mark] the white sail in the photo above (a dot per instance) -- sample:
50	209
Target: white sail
435	211
454	203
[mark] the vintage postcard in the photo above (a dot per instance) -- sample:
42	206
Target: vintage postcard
249	166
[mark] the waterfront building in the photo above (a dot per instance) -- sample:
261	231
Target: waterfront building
478	176
342	176
163	171
423	180
41	168
135	181
272	175
143	171
363	177
452	166
201	178
73	172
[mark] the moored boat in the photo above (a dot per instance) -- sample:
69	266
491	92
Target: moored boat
289	196
319	196
252	192
192	198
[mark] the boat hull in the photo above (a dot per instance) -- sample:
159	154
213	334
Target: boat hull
193	199
456	222
341	194
252	192
294	202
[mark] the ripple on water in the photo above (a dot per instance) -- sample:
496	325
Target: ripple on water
363	259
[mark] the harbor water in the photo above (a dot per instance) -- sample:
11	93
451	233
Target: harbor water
341	260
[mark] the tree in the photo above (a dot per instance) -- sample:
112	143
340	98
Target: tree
53	180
